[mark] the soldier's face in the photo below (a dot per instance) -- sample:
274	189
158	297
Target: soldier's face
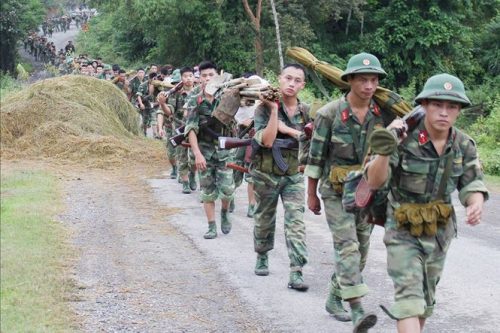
187	79
206	75
291	81
440	115
363	85
140	75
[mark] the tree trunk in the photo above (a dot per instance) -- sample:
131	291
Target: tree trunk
278	36
348	21
255	19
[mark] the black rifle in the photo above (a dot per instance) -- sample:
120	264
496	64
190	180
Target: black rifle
230	143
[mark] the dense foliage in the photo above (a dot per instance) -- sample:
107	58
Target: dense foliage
413	39
17	17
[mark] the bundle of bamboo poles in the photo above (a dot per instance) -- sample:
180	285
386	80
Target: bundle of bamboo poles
257	91
162	85
249	88
386	98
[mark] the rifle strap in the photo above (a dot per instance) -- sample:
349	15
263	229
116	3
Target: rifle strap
445	177
355	139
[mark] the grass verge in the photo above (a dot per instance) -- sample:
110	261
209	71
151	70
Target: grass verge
492	183
35	257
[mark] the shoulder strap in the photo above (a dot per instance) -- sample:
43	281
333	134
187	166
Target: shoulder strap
355	139
447	170
445	177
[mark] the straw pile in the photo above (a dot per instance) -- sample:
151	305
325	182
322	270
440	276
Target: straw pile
73	118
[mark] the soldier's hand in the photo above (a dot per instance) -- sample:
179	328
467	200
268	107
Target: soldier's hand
383	142
161	132
399	127
162	98
474	208
314	204
271	105
200	162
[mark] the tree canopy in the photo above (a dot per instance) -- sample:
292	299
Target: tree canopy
413	39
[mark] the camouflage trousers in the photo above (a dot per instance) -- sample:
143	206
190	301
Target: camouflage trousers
182	160
239	159
268	189
146	115
216	182
169	133
351	241
415	265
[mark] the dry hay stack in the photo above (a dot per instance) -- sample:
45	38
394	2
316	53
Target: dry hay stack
72	118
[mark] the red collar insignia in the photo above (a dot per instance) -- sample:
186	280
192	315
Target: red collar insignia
423	137
345	115
376	110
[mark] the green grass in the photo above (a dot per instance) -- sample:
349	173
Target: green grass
34	255
7	85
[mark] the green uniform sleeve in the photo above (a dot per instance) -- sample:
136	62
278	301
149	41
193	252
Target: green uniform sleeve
193	117
471	180
261	119
318	151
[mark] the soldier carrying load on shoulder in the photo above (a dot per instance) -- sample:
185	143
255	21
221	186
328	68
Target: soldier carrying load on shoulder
339	145
203	130
279	131
430	162
174	106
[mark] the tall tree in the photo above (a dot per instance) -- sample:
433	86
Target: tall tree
278	36
255	19
17	18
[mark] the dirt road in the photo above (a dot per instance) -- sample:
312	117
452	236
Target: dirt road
145	267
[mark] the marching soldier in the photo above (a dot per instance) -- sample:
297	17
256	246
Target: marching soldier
421	172
285	121
174	107
339	145
202	130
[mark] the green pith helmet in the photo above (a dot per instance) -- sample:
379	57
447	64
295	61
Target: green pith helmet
363	63
444	87
176	76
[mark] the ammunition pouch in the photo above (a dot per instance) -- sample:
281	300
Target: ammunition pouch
338	174
423	218
264	162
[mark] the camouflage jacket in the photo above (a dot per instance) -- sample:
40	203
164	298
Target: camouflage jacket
135	85
298	121
416	168
207	128
339	139
176	104
143	91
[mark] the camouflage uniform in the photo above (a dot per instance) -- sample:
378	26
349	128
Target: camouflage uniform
339	140
135	85
176	104
147	101
415	263
217	180
270	184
